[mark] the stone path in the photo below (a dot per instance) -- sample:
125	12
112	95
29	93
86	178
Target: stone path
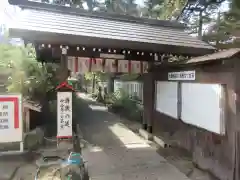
113	152
11	166
116	153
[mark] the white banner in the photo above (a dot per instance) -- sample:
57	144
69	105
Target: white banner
64	114
123	66
11	126
110	66
182	75
135	67
83	64
96	65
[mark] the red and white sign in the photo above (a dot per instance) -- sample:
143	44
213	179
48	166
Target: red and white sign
84	64
11	126
73	64
64	114
110	65
96	65
124	66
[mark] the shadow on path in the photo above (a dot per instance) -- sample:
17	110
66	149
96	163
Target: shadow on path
115	152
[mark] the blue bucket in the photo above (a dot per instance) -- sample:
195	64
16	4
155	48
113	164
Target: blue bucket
75	158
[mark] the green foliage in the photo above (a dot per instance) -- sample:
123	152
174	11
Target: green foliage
236	4
99	77
117	97
26	75
121	103
225	29
163	9
114	6
8	55
129	77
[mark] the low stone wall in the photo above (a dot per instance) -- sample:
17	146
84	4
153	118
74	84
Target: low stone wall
34	139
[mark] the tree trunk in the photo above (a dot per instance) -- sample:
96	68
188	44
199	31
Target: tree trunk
200	25
218	27
93	83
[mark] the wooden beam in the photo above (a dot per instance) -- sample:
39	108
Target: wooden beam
53	52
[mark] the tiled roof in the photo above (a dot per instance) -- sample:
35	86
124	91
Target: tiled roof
80	25
223	54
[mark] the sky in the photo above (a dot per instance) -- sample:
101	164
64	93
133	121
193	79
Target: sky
3	6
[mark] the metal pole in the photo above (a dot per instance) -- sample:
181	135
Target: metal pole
76	141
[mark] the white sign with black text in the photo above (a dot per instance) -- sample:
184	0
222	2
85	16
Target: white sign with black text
112	56
182	75
11	118
64	114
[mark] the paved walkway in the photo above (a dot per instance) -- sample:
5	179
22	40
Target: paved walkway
115	152
16	166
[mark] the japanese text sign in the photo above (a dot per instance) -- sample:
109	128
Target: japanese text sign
181	76
11	118
64	114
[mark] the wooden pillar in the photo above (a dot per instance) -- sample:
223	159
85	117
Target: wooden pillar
148	101
26	113
145	101
236	125
111	83
63	70
151	108
27	119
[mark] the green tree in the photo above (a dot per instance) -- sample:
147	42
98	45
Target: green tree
225	30
7	55
236	4
25	74
72	3
152	8
114	6
197	14
163	9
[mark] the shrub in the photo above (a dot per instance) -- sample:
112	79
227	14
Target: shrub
122	104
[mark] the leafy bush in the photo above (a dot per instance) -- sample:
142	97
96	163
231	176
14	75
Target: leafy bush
29	77
121	103
34	80
94	95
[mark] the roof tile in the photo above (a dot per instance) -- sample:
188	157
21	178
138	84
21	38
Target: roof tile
223	54
46	21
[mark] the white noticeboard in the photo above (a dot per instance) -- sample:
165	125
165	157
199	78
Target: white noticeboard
201	106
64	114
117	85
182	75
11	126
166	98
